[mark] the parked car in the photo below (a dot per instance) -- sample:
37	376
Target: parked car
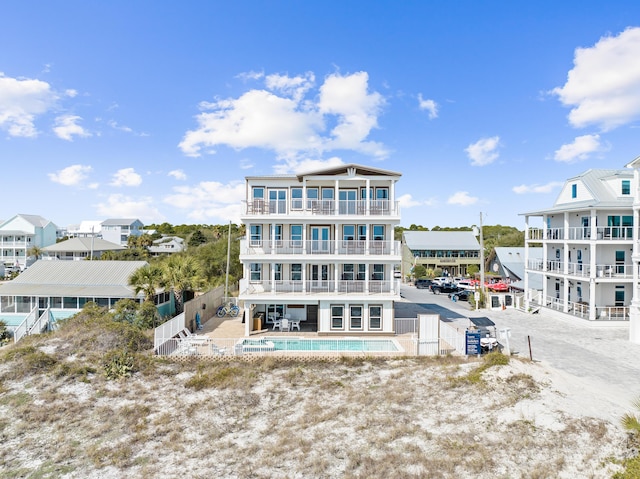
444	288
498	287
423	283
465	284
462	295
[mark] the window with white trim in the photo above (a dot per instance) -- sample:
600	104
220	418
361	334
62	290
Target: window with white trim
255	235
296	272
355	317
256	272
337	317
375	317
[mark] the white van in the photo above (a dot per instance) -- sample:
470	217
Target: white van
441	280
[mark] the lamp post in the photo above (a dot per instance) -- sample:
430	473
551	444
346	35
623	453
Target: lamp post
481	258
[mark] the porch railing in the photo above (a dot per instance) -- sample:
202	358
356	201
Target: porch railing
324	286
317	247
582	309
322	207
617	271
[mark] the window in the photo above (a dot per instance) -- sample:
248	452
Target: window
348	232
378	232
337	317
362	272
619	262
355	317
256	272
619	296
378	272
258	193
296	198
579	291
296	235
277	271
626	187
312	197
375	317
574	191
296	272
362	233
347	272
255	235
382	193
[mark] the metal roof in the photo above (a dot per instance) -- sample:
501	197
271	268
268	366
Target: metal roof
120	221
83	245
441	240
603	197
74	278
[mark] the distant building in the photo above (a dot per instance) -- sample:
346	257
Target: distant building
167	245
86	229
451	251
80	249
21	233
118	230
509	264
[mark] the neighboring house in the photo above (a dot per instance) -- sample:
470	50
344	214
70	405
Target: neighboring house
59	289
451	251
21	233
508	263
319	248
589	237
86	229
167	245
118	230
79	249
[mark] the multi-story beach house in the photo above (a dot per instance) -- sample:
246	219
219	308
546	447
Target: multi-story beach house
320	250
590	255
21	233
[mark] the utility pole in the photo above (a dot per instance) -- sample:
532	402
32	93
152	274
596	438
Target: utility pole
226	281
482	289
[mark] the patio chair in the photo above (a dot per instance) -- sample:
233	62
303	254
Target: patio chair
294	324
284	325
277	323
216	350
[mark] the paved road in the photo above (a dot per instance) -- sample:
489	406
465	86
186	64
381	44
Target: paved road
595	362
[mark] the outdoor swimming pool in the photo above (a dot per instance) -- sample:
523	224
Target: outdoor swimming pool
313	344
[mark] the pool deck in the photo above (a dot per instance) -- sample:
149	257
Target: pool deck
234	328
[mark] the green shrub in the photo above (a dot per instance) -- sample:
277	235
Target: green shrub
118	364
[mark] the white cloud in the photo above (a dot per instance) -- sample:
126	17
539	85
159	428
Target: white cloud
462	198
535	188
178	174
120	206
116	126
21	101
209	201
71	93
428	105
67	126
603	88
72	175
484	151
126	177
407	201
291	125
580	149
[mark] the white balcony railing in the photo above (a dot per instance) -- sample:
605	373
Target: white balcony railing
317	247
322	207
617	271
324	287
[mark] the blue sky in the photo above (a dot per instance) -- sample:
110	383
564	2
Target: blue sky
158	110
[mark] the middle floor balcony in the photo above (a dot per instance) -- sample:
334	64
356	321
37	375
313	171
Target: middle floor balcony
610	271
321	287
320	247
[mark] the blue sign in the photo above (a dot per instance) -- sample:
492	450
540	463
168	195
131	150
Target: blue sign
472	342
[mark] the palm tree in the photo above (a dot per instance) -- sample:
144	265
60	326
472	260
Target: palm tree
35	251
146	279
181	273
631	422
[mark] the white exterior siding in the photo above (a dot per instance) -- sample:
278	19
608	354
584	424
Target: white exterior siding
319	241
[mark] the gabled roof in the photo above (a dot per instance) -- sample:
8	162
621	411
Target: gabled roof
441	240
36	220
512	259
120	221
83	245
602	195
75	279
358	170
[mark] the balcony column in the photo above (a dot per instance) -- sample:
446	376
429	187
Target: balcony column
367	197
392	197
527	293
592	299
634	308
336	276
366	277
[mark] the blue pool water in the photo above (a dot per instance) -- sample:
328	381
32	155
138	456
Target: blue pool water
312	344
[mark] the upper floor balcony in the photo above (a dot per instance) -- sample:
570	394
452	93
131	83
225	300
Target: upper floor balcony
322	207
581	233
605	271
320	247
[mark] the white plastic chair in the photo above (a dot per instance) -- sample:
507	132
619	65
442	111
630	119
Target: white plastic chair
277	323
284	325
294	324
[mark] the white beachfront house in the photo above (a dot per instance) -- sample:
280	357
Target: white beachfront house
590	249
320	248
21	233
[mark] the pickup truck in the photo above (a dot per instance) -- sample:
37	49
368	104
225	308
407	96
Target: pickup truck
444	288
